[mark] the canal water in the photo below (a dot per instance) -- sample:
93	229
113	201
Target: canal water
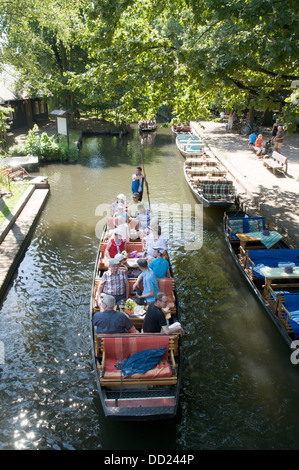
239	387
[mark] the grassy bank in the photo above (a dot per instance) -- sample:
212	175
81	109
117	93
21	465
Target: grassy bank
12	194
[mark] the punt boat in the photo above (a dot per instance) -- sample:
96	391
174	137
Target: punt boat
269	266
138	397
207	180
147	125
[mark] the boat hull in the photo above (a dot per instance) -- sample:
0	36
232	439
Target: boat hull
202	199
138	402
256	288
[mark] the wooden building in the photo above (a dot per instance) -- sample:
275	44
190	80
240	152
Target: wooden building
26	110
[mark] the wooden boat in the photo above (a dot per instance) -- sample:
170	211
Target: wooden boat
270	267
147	125
149	396
189	145
207	179
181	128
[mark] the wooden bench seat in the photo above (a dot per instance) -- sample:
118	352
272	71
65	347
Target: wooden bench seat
12	174
110	349
277	162
5	171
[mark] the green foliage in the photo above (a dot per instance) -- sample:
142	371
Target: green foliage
45	147
126	58
4	113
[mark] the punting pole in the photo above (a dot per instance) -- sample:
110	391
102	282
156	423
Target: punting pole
146	183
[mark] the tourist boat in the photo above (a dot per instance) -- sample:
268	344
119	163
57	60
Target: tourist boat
181	128
147	125
269	266
208	181
189	145
139	397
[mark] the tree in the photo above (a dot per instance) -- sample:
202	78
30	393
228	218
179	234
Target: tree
4	114
40	39
130	57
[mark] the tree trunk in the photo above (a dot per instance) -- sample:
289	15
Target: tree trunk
251	115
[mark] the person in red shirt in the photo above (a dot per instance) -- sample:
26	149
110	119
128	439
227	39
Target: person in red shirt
258	144
115	244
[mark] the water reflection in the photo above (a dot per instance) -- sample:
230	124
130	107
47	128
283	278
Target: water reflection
239	389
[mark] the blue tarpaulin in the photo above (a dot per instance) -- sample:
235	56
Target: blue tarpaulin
141	362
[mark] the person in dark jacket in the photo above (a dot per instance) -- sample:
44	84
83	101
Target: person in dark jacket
110	320
155	320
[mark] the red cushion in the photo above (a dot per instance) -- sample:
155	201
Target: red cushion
122	347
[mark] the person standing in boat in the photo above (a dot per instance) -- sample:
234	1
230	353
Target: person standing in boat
112	321
116	244
137	182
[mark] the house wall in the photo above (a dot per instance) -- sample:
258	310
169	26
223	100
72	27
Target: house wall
26	112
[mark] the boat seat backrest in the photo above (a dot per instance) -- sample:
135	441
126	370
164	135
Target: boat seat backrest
124	346
291	301
271	258
247	224
132	282
134	246
130	246
166	285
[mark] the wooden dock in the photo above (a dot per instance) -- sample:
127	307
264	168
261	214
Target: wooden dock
16	232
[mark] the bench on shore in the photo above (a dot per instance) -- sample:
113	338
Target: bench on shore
12	174
110	349
277	162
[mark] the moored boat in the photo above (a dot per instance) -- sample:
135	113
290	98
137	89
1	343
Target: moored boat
208	181
189	145
269	266
147	125
141	396
181	128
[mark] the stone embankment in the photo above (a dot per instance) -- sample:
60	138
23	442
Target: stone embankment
16	231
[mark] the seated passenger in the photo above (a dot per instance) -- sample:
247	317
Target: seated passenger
143	218
121	212
110	320
114	282
150	285
159	265
155	320
154	239
133	206
123	228
121	199
115	244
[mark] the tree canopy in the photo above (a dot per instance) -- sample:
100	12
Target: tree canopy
127	58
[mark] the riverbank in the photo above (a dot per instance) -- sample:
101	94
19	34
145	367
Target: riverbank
77	129
16	231
275	197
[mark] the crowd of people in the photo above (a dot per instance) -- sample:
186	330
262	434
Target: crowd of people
127	221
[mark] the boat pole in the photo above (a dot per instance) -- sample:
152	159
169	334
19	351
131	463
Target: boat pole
146	183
